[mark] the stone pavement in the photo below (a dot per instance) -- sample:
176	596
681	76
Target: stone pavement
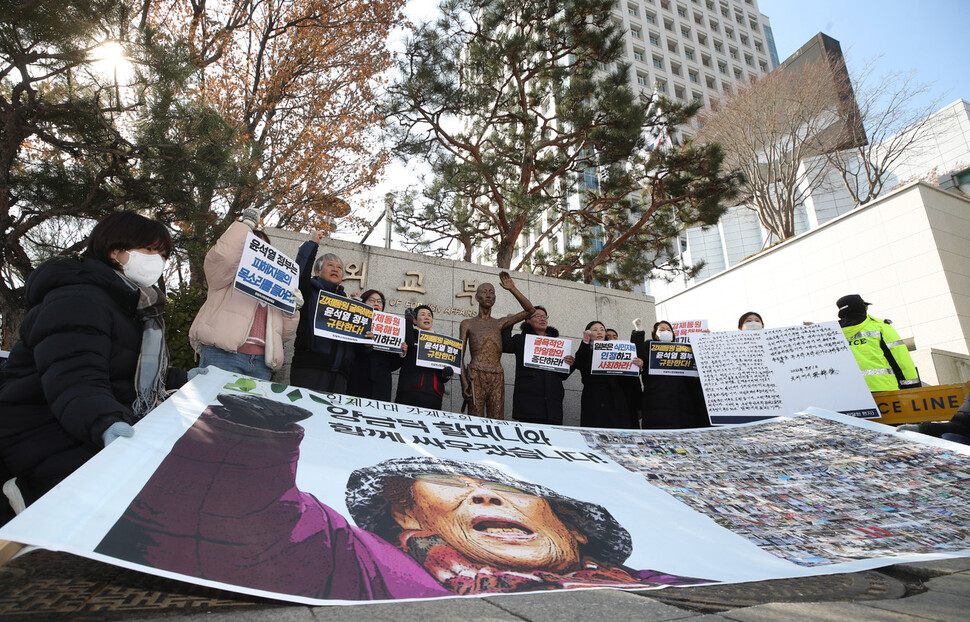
51	587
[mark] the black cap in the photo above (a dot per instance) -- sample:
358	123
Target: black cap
852	304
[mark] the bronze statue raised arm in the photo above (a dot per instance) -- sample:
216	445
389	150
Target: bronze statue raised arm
483	381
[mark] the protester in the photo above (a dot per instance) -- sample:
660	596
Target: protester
882	356
611	334
751	321
319	364
370	375
605	402
92	358
420	386
234	331
423	526
669	402
538	393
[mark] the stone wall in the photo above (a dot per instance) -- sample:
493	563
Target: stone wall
448	287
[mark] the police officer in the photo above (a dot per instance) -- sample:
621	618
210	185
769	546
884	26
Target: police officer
881	354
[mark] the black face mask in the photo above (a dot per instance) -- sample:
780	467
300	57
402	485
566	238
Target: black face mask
851	317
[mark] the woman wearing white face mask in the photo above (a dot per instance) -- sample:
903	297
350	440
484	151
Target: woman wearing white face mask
669	402
91	359
751	321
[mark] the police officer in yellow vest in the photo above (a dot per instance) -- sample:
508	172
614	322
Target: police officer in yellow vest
881	354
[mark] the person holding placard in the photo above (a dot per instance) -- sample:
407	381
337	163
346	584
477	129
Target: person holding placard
233	330
319	364
669	402
604	403
420	386
538	393
751	321
370	376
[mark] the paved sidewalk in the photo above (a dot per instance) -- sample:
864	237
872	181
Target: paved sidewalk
51	587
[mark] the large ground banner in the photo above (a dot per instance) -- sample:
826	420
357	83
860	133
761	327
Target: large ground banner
749	375
277	491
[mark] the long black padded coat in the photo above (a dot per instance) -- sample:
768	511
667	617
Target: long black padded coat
72	374
538	393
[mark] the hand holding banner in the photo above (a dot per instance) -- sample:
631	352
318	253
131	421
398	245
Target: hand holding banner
388	330
547	353
267	274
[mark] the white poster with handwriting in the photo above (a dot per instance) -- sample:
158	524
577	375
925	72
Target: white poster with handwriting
755	374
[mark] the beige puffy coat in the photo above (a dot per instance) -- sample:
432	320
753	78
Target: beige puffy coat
226	317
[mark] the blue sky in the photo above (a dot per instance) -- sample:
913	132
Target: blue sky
931	37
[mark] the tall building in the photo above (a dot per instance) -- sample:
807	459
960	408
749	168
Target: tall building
688	50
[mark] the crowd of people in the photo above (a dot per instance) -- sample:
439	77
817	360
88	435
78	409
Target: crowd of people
92	360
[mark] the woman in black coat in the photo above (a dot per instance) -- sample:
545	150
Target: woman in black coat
605	402
370	375
420	386
538	393
90	360
669	402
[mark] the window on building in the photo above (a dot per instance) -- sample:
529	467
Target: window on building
748	60
709	5
635	32
675	69
637	54
697	97
682	11
664	4
633	10
655	38
763	66
710	82
706	60
650	17
753	23
688	53
671	46
702	39
744	40
733	53
669	24
758	46
718	46
698	19
714	26
692	75
737	73
725	87
724	11
685	32
662	86
642	79
658	62
729	33
679	92
722	67
739	18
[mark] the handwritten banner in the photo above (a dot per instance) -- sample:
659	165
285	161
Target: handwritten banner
614	358
388	332
267	274
754	374
342	319
671	359
438	351
360	500
547	353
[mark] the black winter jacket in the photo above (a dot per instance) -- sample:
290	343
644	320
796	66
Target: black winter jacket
669	401
72	374
606	401
419	386
311	351
538	393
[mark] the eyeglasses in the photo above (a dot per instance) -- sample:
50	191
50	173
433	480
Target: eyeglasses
539	316
454	482
373	299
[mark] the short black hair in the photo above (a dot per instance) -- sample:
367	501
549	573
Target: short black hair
371	292
419	307
125	231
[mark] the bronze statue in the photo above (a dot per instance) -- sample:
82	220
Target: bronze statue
483	381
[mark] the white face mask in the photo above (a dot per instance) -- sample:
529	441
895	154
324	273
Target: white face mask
142	269
753	325
665	335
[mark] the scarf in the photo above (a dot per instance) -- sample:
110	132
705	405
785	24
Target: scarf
153	358
461	576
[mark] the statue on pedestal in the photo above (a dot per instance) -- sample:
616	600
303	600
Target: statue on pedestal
483	381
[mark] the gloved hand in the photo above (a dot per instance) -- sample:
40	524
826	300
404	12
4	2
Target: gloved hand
298	298
250	217
198	371
258	412
637	323
117	430
409	314
447	373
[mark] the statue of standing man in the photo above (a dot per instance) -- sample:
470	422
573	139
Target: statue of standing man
483	381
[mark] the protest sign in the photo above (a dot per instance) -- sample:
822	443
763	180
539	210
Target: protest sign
671	359
547	353
267	274
614	358
388	332
281	492
438	351
684	328
342	319
753	374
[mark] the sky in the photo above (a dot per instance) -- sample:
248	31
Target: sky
930	37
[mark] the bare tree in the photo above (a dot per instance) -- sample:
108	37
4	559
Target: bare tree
896	126
775	132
